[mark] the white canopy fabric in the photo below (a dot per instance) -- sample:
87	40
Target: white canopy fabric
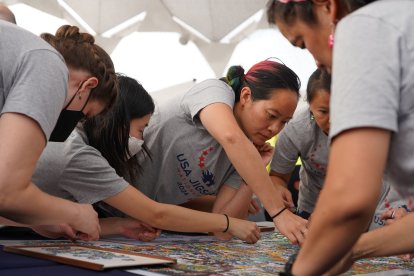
215	26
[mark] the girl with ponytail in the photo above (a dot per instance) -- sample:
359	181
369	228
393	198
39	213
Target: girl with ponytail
211	140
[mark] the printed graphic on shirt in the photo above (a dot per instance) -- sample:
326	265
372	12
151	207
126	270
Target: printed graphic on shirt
195	179
316	167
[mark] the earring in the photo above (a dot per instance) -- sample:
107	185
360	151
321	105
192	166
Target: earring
79	96
331	36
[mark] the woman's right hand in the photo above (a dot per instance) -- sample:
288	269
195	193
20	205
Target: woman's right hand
292	226
86	223
245	230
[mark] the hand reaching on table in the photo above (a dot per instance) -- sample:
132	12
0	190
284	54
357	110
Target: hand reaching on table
86	224
128	227
254	207
389	217
245	230
291	226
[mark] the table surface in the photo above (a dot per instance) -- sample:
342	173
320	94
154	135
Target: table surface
196	255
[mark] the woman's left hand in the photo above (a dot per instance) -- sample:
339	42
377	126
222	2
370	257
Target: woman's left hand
266	152
254	207
134	229
393	214
128	227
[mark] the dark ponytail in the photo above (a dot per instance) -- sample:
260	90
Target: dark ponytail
263	78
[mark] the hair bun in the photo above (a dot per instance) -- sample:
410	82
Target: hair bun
72	32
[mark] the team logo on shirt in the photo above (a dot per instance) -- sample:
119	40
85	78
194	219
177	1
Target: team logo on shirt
208	177
189	183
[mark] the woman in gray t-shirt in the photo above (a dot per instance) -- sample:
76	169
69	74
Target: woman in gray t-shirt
35	79
206	140
306	136
93	164
368	45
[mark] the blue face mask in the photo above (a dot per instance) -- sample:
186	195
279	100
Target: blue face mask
67	121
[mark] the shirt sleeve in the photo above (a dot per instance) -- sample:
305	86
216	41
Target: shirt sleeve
366	75
286	151
206	93
89	177
39	88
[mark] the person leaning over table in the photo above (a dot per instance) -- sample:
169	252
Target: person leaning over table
306	137
95	162
204	138
35	85
368	46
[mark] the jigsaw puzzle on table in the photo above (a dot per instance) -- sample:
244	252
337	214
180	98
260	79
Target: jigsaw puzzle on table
206	256
266	257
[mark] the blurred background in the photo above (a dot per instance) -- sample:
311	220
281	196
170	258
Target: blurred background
168	45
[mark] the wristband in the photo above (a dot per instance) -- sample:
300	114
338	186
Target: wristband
278	213
228	223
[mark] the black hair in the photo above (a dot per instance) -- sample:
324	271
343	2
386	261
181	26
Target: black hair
319	80
290	11
263	78
109	133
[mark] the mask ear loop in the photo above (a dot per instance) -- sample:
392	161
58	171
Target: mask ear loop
87	100
74	95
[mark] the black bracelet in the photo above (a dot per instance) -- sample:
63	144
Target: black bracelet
278	213
289	265
228	223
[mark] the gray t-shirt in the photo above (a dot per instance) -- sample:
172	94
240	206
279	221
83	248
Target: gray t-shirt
302	137
33	77
187	162
76	171
373	81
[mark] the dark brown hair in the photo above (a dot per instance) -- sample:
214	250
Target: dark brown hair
319	80
80	52
303	10
263	78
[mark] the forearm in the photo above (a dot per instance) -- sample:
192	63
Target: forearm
110	226
204	203
43	209
347	201
165	216
277	180
394	239
318	255
254	173
5	221
237	205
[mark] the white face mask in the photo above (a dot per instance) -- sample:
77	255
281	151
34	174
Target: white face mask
134	145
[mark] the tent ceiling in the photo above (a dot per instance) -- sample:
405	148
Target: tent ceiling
213	19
